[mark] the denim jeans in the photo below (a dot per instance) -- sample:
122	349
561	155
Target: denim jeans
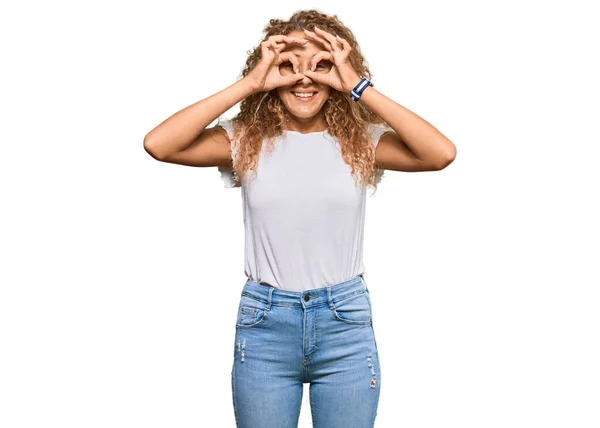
324	337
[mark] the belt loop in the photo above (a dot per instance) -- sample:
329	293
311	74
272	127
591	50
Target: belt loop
268	308
329	298
362	278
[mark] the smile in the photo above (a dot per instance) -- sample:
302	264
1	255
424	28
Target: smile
304	96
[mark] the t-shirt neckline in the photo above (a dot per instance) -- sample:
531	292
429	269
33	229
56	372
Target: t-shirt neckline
308	133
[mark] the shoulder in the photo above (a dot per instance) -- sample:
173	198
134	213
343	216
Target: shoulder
228	175
376	130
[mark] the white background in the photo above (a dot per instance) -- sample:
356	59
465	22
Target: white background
121	275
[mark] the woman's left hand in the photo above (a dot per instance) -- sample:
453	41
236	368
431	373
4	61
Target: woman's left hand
342	76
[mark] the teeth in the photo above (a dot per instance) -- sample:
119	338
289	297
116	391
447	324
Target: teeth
304	95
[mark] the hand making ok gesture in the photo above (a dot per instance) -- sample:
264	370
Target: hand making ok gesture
342	76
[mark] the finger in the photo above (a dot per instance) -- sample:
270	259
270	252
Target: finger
277	47
319	39
266	46
281	40
291	57
318	57
296	61
335	43
298	40
344	43
315	77
290	80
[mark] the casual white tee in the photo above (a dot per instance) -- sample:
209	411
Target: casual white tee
303	213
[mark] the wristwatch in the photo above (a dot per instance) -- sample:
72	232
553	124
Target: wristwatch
360	88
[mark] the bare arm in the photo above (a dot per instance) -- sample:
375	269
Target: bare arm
416	145
183	138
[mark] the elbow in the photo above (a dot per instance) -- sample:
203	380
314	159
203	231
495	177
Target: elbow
447	158
151	149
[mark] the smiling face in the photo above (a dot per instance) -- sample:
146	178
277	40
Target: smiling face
304	110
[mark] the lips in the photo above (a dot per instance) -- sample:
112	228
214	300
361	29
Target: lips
304	97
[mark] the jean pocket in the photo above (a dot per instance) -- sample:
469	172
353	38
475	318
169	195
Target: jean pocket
355	309
251	312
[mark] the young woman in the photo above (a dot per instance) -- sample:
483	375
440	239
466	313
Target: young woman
311	135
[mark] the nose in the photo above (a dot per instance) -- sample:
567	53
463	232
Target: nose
306	80
302	68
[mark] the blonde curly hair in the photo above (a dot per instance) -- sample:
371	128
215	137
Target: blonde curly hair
263	115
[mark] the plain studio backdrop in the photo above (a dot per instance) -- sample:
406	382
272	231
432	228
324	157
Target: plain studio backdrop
121	275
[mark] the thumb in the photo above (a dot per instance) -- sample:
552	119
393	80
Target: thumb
294	78
316	77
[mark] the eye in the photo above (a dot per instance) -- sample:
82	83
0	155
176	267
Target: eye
324	64
287	64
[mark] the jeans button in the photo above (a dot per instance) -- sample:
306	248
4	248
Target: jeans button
306	297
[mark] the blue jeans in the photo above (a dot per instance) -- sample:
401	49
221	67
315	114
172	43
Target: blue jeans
324	337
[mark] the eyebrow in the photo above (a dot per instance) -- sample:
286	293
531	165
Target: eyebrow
302	53
295	48
301	48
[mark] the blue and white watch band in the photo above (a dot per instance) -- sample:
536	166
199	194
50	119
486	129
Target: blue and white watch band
360	88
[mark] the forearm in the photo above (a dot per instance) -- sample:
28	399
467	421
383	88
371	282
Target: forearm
422	138
178	131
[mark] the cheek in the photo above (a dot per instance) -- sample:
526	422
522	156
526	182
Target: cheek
282	93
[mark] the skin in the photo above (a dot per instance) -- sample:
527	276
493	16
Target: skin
415	144
306	116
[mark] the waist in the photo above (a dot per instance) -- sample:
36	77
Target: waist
314	297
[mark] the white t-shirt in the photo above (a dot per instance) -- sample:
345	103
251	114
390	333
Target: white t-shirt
304	215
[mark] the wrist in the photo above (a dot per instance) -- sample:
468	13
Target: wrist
353	82
248	85
357	91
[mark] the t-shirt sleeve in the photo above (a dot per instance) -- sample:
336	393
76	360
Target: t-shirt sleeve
227	174
376	131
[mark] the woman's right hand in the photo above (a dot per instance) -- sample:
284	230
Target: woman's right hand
266	74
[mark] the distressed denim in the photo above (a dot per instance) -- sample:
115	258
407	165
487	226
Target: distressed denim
324	337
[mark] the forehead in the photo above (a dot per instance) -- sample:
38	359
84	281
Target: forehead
306	50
